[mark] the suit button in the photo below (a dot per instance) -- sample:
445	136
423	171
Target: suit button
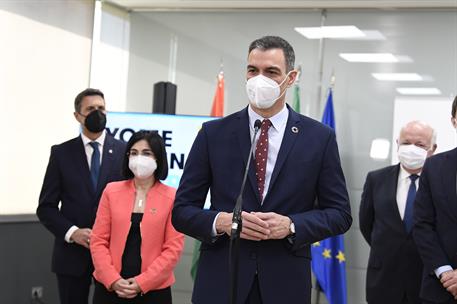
253	256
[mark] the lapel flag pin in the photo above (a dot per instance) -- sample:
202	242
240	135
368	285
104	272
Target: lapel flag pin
294	129
110	151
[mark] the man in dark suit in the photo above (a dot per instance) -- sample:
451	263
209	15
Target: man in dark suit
77	172
435	225
296	163
394	267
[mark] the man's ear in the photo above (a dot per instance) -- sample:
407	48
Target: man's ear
77	116
292	78
454	122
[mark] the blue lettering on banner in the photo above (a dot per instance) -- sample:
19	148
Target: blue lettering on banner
126	133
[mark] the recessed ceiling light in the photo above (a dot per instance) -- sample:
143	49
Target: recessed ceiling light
397	76
379	148
419	91
344	31
368	35
369	57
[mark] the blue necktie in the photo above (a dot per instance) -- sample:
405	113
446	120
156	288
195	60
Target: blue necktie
94	164
408	218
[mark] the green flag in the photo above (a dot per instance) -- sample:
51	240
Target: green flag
296	101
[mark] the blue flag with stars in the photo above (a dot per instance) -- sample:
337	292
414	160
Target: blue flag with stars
329	262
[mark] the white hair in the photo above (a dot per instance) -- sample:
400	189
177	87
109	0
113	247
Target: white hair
434	135
425	125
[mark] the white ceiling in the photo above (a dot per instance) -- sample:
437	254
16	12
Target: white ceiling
277	4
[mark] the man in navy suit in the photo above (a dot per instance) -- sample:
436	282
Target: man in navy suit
296	165
77	172
394	269
435	225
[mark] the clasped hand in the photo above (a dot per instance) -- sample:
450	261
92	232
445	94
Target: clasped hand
257	226
449	281
126	288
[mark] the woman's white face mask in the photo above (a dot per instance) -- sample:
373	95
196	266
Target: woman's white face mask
142	166
263	92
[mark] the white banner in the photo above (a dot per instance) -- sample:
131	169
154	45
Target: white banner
177	131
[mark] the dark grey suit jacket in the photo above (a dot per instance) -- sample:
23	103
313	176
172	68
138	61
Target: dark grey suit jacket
394	266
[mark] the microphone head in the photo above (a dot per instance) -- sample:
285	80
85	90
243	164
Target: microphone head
257	124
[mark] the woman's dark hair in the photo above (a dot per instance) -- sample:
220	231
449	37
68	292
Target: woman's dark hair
157	146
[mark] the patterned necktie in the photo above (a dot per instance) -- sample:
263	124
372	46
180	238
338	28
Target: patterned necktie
95	164
408	218
261	156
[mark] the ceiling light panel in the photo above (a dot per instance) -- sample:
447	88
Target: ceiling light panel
419	91
397	76
369	57
344	31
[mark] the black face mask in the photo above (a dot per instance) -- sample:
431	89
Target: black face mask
96	121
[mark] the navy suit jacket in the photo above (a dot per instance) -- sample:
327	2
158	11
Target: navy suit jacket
307	168
67	181
435	222
394	266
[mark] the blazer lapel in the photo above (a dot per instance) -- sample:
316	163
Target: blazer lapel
448	181
291	133
243	137
80	158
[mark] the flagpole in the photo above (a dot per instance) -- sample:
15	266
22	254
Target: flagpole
318	107
318	292
172	58
321	66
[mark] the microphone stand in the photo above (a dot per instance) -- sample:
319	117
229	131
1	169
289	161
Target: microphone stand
237	225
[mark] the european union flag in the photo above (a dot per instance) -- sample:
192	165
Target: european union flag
329	262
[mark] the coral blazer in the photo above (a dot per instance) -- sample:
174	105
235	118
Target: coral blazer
161	244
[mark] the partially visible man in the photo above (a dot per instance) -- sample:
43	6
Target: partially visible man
296	162
435	225
77	172
394	267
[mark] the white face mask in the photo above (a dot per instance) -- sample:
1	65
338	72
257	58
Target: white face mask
411	156
142	166
263	91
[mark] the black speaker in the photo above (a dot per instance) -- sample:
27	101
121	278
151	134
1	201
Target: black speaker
164	98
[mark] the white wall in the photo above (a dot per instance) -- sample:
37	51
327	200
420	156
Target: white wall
432	111
110	54
44	60
204	39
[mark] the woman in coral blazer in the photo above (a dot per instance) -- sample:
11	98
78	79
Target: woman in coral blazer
133	244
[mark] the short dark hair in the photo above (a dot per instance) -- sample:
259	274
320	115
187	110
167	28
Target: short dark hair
454	106
275	42
87	92
157	146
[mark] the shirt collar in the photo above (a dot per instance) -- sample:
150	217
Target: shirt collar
101	139
278	121
403	174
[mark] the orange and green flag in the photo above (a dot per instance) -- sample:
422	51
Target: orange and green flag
218	101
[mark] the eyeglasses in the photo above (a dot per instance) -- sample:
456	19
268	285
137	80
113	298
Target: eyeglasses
147	153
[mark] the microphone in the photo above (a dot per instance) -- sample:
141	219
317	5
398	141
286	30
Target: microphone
237	226
236	220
